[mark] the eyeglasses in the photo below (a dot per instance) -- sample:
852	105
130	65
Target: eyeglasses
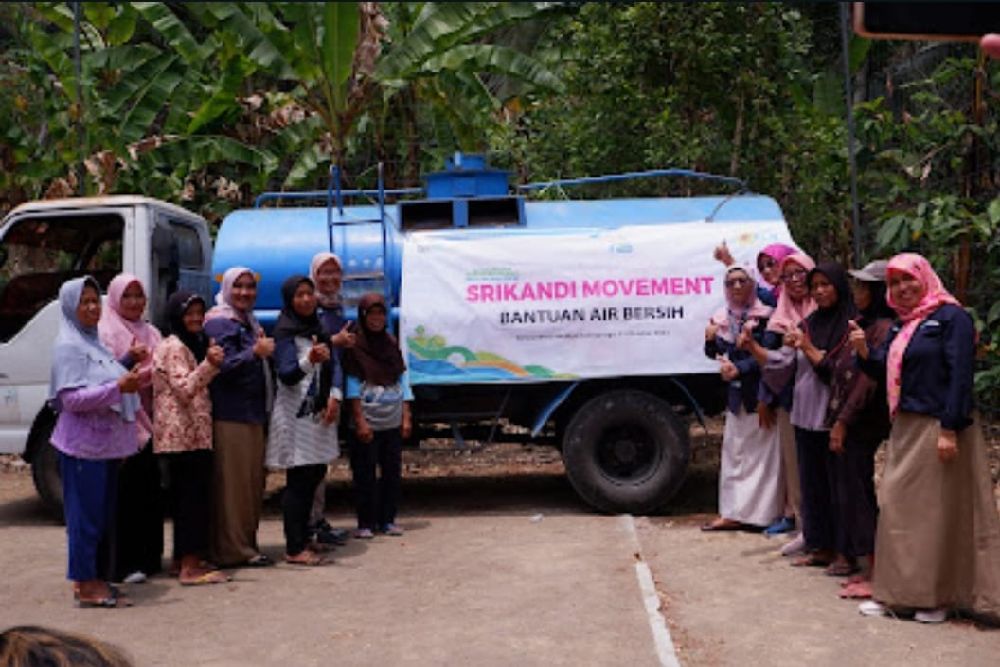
734	282
794	276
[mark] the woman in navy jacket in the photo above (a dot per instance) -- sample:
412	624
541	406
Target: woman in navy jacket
938	539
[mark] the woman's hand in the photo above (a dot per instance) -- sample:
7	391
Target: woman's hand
214	354
856	336
947	446
332	412
138	351
766	416
722	254
264	347
343	338
728	370
130	382
319	353
793	339
364	431
837	434
711	330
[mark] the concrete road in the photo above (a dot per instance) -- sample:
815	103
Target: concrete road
537	581
506	570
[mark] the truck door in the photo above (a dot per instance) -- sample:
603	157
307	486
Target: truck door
39	251
181	257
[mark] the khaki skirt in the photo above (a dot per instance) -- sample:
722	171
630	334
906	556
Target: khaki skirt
938	539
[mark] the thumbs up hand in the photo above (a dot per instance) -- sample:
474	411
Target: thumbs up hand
214	354
319	352
138	351
723	255
264	347
856	336
343	338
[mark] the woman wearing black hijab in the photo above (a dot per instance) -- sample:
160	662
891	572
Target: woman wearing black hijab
380	396
859	421
823	334
303	435
183	365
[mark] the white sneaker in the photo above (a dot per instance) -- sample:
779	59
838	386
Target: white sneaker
931	615
137	577
872	608
796	546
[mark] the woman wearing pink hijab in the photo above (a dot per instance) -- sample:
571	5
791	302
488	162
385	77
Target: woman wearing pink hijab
938	539
136	542
778	389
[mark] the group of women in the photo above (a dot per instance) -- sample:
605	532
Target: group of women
820	372
194	406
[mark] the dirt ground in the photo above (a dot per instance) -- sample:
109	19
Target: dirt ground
501	564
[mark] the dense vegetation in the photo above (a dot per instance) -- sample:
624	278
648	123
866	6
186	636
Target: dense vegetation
207	104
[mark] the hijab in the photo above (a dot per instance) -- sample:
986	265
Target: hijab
290	325
78	357
789	313
935	296
827	327
118	333
777	252
224	300
326	300
731	317
177	307
375	357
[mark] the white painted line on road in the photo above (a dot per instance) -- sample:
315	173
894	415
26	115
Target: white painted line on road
657	623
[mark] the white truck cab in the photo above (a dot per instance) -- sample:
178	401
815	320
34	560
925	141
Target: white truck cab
45	243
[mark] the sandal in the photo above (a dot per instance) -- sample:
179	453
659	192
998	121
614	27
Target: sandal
811	560
305	558
859	590
112	600
721	524
841	568
205	577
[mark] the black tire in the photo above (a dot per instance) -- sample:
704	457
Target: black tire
626	451
45	470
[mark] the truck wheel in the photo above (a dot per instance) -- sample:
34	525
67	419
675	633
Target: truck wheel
626	451
45	471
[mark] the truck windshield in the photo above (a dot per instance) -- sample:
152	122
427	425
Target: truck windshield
42	252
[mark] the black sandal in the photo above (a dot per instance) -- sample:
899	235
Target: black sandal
260	560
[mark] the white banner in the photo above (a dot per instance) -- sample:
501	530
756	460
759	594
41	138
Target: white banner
532	306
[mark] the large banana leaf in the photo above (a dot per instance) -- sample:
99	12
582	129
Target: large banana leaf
173	30
492	58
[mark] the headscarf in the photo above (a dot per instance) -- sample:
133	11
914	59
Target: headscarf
224	300
177	307
375	357
319	259
827	327
731	317
788	314
777	252
935	296
118	333
78	357
291	324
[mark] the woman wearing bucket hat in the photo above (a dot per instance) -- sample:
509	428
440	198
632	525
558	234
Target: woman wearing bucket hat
859	422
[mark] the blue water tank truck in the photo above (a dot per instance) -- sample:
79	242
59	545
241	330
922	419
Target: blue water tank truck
579	320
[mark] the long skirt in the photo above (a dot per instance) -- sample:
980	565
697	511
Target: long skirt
750	489
237	491
819	517
789	466
938	540
134	541
852	485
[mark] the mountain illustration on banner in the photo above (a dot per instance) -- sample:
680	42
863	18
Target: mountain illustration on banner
431	355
